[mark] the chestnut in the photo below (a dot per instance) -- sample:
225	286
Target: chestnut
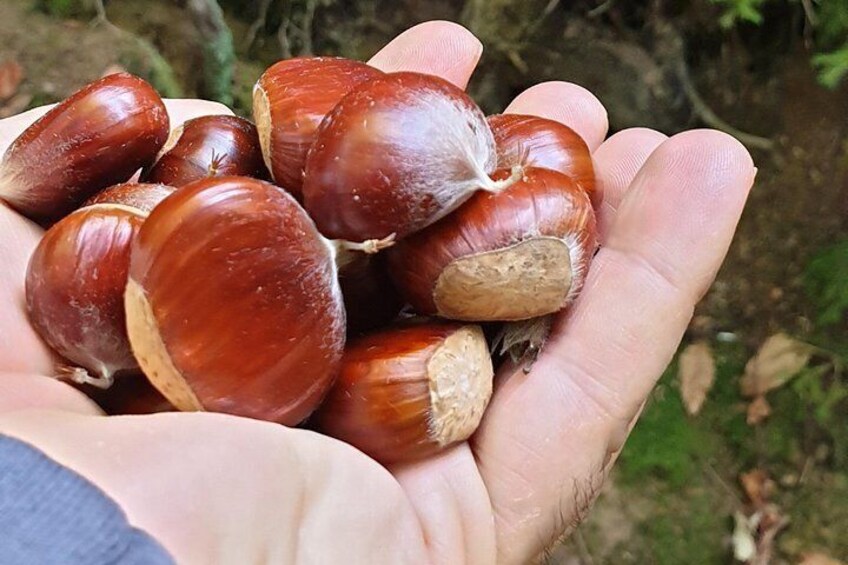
101	135
540	142
396	154
410	391
208	146
290	100
515	255
233	303
76	278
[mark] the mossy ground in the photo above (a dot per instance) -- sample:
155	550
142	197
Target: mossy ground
677	481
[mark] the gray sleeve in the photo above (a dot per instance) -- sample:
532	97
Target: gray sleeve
49	514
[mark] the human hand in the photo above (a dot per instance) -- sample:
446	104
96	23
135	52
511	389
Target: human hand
215	488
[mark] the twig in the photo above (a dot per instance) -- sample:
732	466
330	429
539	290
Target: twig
283	39
724	484
810	12
601	9
258	23
306	27
709	117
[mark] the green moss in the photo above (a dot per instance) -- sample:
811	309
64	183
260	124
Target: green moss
692	526
665	443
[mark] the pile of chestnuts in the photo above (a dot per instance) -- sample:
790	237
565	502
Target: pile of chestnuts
332	264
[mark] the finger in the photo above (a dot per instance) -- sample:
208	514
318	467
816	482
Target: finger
617	161
21	350
182	110
438	48
567	103
23	392
547	436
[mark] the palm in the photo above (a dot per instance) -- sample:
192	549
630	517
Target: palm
548	438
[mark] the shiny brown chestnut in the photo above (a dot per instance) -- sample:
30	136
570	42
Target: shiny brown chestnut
290	100
515	255
396	154
208	146
409	392
540	142
74	290
101	135
233	303
76	278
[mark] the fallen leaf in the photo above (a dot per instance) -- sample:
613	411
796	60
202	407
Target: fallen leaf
758	486
17	104
744	544
696	374
818	559
11	75
779	359
758	410
770	524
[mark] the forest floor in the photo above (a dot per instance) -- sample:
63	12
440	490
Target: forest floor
673	497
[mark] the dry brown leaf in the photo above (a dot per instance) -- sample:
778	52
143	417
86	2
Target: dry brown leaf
11	75
778	360
818	559
696	374
757	485
758	410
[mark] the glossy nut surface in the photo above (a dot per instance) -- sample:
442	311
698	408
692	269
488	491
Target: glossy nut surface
411	391
515	255
395	155
233	302
208	146
75	285
290	100
96	138
539	142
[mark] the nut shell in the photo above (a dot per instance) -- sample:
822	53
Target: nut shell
209	146
395	155
233	302
290	100
75	284
515	255
100	136
411	391
539	142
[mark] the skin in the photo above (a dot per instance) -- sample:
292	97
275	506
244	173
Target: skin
219	489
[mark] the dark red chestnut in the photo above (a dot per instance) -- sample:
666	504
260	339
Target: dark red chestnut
290	100
209	146
539	142
518	254
233	302
411	391
395	155
98	137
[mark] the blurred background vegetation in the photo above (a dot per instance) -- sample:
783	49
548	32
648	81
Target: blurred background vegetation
742	451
